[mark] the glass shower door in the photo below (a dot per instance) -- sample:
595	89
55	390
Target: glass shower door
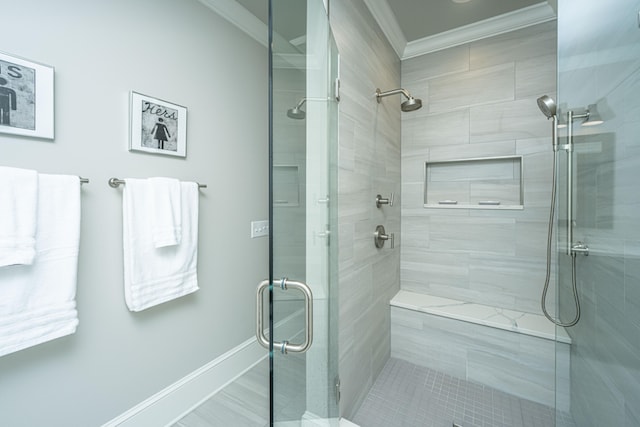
302	300
599	96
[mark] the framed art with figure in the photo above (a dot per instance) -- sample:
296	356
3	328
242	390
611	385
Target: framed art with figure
157	126
26	97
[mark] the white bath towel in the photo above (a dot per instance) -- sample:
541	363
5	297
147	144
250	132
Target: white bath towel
18	207
156	275
37	301
166	218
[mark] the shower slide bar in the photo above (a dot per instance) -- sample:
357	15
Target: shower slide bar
578	247
115	183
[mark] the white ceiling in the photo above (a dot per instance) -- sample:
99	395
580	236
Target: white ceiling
419	18
413	27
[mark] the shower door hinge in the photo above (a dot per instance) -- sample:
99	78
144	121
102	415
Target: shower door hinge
337	390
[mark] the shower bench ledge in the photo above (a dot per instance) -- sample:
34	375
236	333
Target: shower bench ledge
510	320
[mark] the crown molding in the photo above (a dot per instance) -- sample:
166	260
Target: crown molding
382	13
501	24
386	19
233	12
384	16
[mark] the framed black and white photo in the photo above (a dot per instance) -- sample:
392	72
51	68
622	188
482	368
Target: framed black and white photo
157	126
26	97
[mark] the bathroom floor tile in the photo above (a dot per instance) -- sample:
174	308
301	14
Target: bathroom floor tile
407	395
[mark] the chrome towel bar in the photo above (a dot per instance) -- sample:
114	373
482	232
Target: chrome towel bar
115	183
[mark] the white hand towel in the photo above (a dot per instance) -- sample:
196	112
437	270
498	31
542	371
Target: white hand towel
18	207
156	275
37	301
166	215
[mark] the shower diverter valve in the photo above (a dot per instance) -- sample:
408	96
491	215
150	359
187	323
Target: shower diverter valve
580	248
380	236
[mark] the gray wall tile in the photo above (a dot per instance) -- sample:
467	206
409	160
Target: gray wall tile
369	164
489	257
518	364
507	120
447	61
515	46
486	109
421	129
478	87
533	76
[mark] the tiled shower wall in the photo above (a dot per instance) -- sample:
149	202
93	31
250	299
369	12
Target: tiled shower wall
479	100
369	164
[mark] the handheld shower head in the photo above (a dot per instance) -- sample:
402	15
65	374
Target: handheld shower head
547	106
549	109
411	104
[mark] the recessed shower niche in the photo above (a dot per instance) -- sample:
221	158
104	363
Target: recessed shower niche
286	189
476	183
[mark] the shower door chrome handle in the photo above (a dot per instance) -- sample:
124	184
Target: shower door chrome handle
285	346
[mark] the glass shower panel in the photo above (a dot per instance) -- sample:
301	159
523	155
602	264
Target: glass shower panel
599	72
304	114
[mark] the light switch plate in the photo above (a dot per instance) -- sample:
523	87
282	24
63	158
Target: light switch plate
259	228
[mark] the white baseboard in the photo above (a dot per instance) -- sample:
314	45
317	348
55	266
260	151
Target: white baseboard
169	405
312	421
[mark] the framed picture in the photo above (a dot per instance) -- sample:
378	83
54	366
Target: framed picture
157	126
26	97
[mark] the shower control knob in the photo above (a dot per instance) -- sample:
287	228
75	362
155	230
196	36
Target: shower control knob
384	201
380	236
580	248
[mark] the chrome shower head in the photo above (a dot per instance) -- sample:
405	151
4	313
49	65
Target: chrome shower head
297	112
547	106
411	104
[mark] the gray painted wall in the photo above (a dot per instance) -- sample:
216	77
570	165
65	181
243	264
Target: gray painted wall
369	164
183	53
479	101
599	62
